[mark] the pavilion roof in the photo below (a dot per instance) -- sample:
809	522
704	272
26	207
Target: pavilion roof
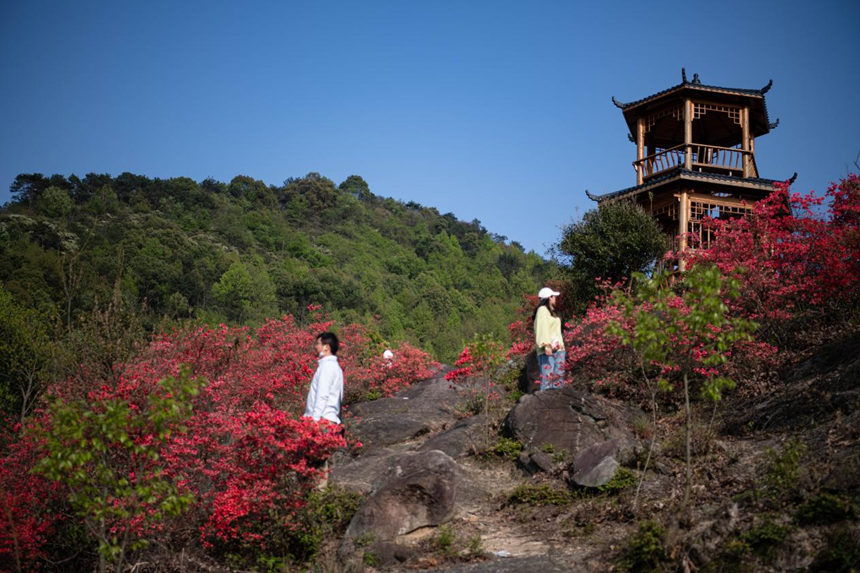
681	174
695	88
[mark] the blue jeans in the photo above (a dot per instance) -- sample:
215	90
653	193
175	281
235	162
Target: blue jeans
551	369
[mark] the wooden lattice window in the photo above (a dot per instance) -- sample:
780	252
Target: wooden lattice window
701	209
734	113
677	113
669	210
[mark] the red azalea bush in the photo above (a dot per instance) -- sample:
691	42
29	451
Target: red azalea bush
595	356
790	260
477	375
522	338
791	257
28	503
243	455
379	377
466	365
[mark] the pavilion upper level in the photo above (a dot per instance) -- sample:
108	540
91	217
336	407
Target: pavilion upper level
697	128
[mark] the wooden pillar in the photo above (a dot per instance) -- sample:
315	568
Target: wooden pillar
753	168
688	134
683	218
640	151
745	140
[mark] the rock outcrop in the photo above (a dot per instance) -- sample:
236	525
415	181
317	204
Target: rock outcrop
591	430
417	490
414	468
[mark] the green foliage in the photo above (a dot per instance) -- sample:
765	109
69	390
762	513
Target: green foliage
93	448
371	558
840	555
645	550
622	480
782	467
444	539
609	243
25	354
825	508
55	202
682	328
245	295
543	494
244	251
450	546
508	448
325	517
764	538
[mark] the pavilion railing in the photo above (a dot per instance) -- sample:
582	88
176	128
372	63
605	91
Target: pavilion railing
704	158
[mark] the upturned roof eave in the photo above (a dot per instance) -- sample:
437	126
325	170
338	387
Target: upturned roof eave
630	110
626	107
684	175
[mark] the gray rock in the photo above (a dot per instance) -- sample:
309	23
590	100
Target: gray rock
596	465
458	440
529	380
540	461
569	419
417	490
423	408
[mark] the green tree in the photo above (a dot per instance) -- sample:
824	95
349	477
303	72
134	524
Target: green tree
611	243
356	186
685	329
245	293
25	355
55	202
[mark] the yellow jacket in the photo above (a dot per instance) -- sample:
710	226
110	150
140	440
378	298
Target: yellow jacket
547	330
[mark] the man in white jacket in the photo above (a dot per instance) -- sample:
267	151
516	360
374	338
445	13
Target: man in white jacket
326	391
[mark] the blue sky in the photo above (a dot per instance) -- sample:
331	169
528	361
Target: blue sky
493	110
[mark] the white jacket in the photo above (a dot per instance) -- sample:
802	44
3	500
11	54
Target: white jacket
326	391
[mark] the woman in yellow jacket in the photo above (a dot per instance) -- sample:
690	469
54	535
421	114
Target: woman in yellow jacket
548	340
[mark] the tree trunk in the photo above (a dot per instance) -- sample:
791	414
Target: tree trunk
687	432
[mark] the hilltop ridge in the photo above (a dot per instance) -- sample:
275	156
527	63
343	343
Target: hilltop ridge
242	251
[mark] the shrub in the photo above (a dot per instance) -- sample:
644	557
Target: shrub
825	508
789	260
444	540
28	504
540	495
324	518
781	468
508	448
622	479
840	555
238	448
609	243
597	356
105	454
764	538
645	550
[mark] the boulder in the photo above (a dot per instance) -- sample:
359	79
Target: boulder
423	408
596	465
570	419
529	380
459	440
535	462
417	490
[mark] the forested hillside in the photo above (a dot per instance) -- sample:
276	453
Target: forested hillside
242	251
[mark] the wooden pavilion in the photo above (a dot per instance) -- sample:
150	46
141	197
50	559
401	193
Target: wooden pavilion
695	155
